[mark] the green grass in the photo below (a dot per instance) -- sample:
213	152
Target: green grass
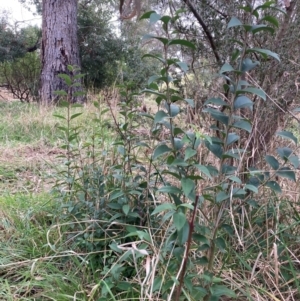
37	263
29	268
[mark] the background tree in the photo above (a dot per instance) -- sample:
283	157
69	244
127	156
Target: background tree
59	48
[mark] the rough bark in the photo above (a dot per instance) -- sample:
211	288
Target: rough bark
59	48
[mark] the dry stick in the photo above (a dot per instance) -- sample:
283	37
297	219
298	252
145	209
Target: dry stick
188	246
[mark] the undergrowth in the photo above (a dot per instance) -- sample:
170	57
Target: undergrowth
136	213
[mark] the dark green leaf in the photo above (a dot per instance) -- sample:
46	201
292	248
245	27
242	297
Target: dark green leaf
221	290
179	219
126	209
231	138
264	52
221	244
242	101
155	57
216	101
204	170
159	116
221	196
228	229
253	203
164	207
183	234
182	43
163	96
169	189
251	188
75	115
261	27
216	149
187	186
59	116
274	186
271	19
220	116
160	150
294	160
286	172
244	125
287	135
178	144
147	14
256	91
66	78
284	152
272	162
189	153
61	93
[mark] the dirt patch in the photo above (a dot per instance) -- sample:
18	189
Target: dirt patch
6	95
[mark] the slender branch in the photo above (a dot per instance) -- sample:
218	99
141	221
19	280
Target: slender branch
206	30
188	247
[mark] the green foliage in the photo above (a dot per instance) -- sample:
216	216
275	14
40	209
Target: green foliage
149	217
21	76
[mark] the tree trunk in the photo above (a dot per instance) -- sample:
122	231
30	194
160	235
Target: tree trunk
59	49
